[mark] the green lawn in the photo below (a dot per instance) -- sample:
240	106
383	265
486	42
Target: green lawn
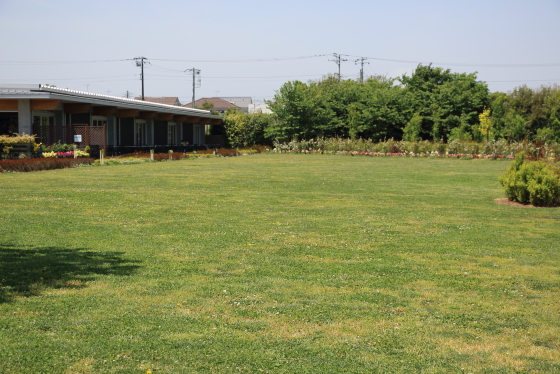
276	263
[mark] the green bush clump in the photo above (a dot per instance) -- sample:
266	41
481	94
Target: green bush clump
534	182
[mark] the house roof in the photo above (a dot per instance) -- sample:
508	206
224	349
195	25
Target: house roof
218	103
37	91
162	100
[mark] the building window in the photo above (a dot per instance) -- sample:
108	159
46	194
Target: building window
141	133
99	121
196	134
172	134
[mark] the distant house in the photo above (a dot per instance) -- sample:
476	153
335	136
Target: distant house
219	105
242	102
259	108
162	100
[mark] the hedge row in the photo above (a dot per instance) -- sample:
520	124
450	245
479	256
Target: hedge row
533	150
37	164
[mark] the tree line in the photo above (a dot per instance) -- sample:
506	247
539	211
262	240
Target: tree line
431	104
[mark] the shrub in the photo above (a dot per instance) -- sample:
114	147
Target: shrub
16	139
37	164
534	182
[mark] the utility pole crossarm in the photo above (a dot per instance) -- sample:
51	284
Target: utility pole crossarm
361	59
337	60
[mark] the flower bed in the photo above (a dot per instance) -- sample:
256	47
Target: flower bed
146	156
76	153
37	164
433	154
456	148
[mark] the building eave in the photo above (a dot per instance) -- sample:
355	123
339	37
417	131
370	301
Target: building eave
13	91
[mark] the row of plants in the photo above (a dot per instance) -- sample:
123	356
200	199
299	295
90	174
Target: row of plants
38	164
76	153
433	154
62	159
455	148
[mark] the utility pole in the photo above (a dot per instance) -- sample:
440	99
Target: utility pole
362	59
140	63
195	72
337	60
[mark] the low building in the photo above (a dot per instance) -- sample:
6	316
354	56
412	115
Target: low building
217	104
115	124
259	108
242	102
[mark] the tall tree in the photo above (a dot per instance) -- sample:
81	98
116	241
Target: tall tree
445	99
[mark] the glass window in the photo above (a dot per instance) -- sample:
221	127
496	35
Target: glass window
172	134
140	138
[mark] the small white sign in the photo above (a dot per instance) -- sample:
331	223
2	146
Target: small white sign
77	138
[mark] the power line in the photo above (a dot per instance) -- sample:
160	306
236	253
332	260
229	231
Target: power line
248	60
58	62
526	80
497	65
467	64
69	79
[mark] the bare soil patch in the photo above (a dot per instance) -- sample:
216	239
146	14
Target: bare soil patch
506	201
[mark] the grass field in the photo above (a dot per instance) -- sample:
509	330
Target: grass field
279	264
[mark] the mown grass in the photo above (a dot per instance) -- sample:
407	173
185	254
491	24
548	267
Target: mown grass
276	263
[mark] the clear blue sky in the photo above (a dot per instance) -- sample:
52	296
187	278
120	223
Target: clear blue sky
225	40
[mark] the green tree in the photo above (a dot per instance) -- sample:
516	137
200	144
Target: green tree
499	105
412	129
515	127
245	130
485	127
445	99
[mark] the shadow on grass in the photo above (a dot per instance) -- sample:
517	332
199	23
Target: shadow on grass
28	271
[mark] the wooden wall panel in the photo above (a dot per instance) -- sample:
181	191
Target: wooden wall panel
127	113
9	104
104	110
192	119
77	108
165	116
44	104
145	114
179	118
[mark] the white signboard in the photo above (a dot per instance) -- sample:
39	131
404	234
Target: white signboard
77	138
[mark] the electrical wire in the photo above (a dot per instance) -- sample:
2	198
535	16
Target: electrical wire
275	59
465	64
59	62
248	60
